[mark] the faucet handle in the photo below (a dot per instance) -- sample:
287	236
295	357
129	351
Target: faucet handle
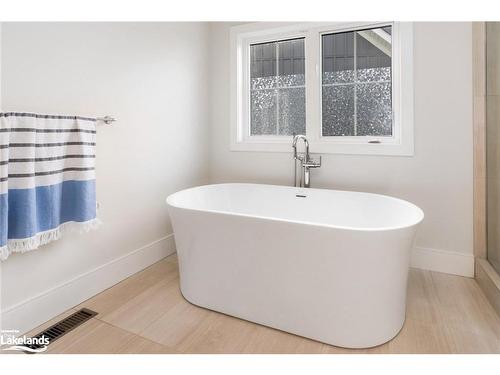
312	164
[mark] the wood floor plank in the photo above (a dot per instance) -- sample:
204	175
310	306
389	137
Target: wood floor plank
461	307
140	345
142	310
271	341
417	337
176	324
467	342
218	333
113	298
92	337
96	337
421	302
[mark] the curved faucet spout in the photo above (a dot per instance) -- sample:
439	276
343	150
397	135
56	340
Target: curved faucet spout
294	145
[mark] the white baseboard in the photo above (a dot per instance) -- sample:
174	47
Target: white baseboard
443	261
36	310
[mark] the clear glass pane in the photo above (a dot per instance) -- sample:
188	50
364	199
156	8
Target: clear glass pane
291	63
263	118
292	111
374	109
263	65
338	57
373	54
338	110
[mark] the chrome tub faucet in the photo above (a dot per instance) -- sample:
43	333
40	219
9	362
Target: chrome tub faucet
306	162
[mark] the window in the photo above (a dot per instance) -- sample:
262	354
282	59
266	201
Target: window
356	83
349	88
277	88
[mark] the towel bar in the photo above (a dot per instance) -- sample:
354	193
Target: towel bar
106	119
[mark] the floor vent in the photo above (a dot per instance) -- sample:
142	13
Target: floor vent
64	326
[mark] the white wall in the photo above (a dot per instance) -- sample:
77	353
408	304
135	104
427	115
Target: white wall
153	79
438	177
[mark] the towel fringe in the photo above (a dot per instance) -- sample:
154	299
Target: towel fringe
27	244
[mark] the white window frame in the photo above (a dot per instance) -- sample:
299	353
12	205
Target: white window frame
400	143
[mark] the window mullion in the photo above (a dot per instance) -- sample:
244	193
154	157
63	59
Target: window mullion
313	86
355	56
277	90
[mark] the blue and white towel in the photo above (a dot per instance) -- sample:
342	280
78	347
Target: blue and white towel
47	178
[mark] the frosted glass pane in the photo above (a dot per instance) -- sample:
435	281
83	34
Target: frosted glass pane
263	119
374	109
292	111
374	74
260	83
291	80
338	110
338	57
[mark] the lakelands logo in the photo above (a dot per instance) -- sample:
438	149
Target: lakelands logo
9	339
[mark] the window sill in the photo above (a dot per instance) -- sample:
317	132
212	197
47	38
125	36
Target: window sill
380	149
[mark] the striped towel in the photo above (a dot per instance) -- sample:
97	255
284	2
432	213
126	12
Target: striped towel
47	179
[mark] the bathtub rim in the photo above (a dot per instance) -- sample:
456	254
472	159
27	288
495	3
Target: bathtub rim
420	212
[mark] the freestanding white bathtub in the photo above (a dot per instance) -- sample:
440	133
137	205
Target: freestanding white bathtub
324	264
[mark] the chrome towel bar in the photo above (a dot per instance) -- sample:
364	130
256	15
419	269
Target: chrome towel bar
106	119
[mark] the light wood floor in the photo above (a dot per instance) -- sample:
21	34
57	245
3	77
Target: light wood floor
147	314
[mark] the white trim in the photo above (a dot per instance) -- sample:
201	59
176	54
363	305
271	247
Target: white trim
40	308
443	261
401	143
